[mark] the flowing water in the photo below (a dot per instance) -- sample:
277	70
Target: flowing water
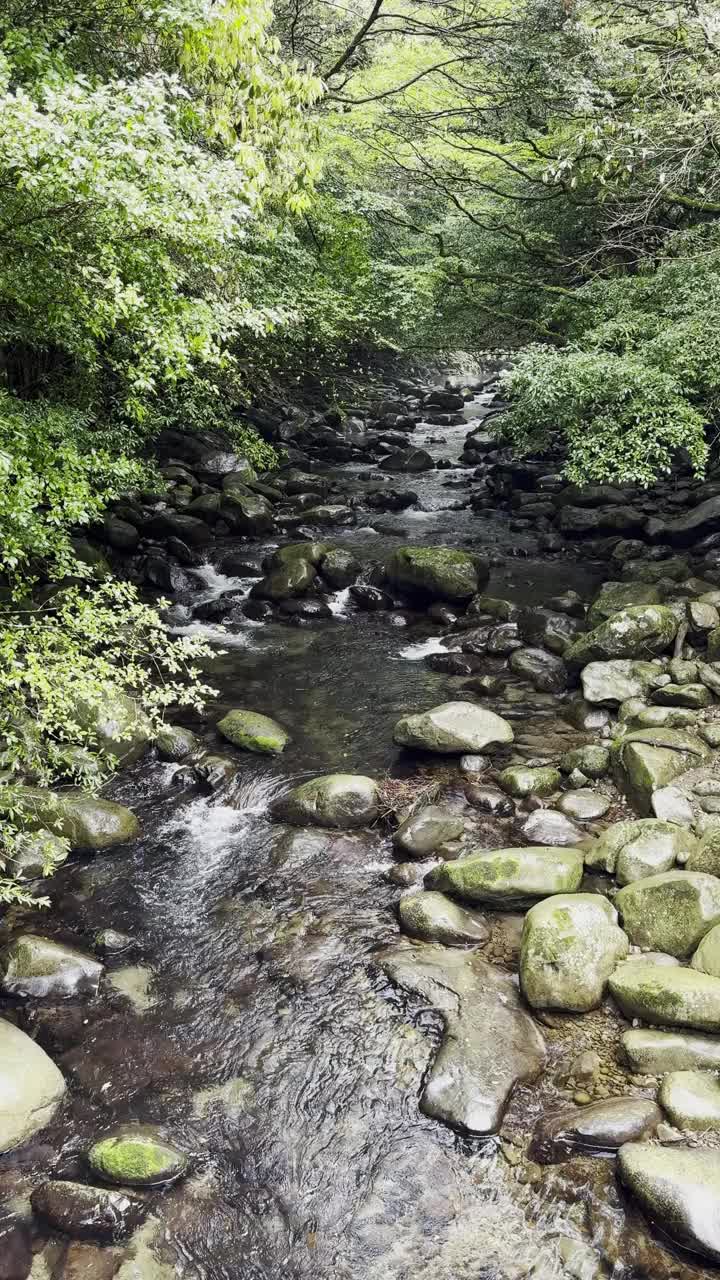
249	1020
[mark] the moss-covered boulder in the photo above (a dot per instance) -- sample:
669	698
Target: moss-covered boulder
250	513
31	1087
670	912
706	854
637	849
437	573
34	966
117	724
646	760
614	596
521	780
570	945
252	731
707	957
453	728
608	684
334	800
433	917
593	760
90	824
509	878
667	996
289	580
678	1187
339	568
137	1157
638	632
33	852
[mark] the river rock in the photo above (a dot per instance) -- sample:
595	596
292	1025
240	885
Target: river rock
175	742
654	1053
423	831
31	1087
584	805
509	877
137	1156
600	1128
672	805
705	855
637	849
339	568
592	760
667	996
630	633
489	799
437	572
490	1043
570	945
707	957
550	827
679	1189
292	579
545	671
614	596
90	824
670	912
554	631
334	800
408	461
252	731
433	917
453	728
646	760
34	966
692	1100
117	724
610	683
32	853
521	780
83	1211
692	696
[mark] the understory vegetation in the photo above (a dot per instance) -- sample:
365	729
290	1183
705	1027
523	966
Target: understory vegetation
206	200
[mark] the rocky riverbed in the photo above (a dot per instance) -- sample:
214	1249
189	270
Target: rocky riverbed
405	960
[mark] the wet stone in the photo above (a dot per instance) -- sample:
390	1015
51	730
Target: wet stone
509	878
453	728
520	780
489	799
550	827
40	967
432	917
335	800
691	1100
592	760
584	805
490	1043
667	996
84	1211
425	830
31	1087
598	1129
678	1188
636	849
657	1052
253	732
137	1156
544	670
571	944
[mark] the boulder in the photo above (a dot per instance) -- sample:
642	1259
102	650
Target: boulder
637	632
554	631
570	946
90	824
692	1100
653	1053
705	855
692	526
329	516
453	728
592	760
37	854
289	580
433	917
334	800
522	780
490	1042
339	568
137	1156
117	724
545	671
610	683
252	731
667	996
614	596
670	912
424	830
509	878
437	573
408	461
97	1213
598	1129
645	760
693	696
549	827
175	742
678	1188
35	966
250	513
707	957
637	849
31	1087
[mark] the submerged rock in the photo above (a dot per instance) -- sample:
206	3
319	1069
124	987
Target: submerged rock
31	1087
692	1100
83	1211
334	800
439	573
137	1156
433	917
667	996
656	1052
423	831
490	1043
34	966
670	912
679	1189
453	728
510	877
600	1128
252	731
570	945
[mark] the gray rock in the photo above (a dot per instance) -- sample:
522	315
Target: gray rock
550	827
334	800
598	1129
614	596
34	966
670	912
630	633
31	1087
339	568
433	917
667	997
679	1188
88	1212
175	743
453	728
490	1043
610	683
490	800
584	805
692	1100
693	696
508	878
522	780
570	946
423	831
656	1052
670	804
636	849
707	957
646	760
544	670
705	856
692	526
592	760
36	855
554	631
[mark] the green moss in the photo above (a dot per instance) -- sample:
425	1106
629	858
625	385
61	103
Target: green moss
253	732
137	1160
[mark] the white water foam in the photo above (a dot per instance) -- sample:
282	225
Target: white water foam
423	648
338	603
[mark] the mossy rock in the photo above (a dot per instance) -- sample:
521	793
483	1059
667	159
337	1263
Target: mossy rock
519	780
670	912
438	573
636	849
508	878
570	945
175	742
638	632
137	1157
90	824
614	596
334	800
252	731
667	996
592	760
645	760
453	728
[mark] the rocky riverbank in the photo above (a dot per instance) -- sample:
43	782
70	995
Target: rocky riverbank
405	963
